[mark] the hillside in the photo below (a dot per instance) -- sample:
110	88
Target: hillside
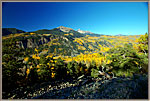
7	31
61	55
59	31
68	42
50	40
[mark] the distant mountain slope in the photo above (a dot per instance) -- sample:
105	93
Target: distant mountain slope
120	35
66	41
88	33
52	31
7	31
60	31
96	35
51	40
84	32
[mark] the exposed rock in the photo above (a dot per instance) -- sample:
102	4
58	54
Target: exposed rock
20	44
32	42
64	29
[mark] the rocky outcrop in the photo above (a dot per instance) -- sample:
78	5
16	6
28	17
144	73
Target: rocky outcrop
32	42
20	44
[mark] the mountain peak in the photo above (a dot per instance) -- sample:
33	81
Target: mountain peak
64	29
84	32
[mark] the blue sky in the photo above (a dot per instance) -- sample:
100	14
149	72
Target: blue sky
110	18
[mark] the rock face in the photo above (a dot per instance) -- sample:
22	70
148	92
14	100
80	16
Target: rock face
20	44
32	42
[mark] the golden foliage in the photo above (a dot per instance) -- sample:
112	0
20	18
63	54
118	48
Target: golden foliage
50	55
37	66
93	37
26	59
28	71
71	34
31	67
52	67
47	34
35	56
59	48
38	70
32	33
66	34
53	75
79	41
90	47
36	50
81	48
88	58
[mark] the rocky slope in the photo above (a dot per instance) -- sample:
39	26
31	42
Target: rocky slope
116	88
135	87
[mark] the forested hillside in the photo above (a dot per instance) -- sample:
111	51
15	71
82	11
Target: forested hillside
62	53
7	31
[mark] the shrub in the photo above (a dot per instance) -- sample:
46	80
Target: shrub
94	73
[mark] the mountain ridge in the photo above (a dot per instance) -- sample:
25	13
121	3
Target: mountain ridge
7	31
60	29
84	32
